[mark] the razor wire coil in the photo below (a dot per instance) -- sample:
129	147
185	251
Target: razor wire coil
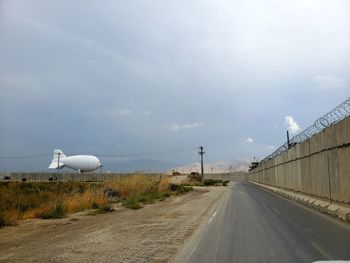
337	114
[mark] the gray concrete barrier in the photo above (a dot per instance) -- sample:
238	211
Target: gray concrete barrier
80	177
319	166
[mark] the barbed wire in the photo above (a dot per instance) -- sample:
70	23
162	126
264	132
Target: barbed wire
337	114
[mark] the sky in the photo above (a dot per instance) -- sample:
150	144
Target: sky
130	77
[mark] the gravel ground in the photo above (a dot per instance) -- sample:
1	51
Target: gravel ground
154	233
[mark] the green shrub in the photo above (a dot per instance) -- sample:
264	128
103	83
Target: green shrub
95	205
132	202
183	189
179	189
105	208
172	187
148	198
209	182
165	195
2	221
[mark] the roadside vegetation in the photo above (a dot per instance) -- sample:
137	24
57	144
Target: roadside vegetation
212	182
138	190
47	200
196	180
21	200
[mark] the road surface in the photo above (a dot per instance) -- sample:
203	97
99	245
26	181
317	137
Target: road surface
254	225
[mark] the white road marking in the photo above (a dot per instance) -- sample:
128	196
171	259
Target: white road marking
278	212
194	248
212	217
320	250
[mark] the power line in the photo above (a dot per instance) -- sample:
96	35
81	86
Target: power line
145	154
26	156
101	155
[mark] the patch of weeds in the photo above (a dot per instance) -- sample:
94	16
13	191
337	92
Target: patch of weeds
172	187
105	209
209	182
2	221
183	189
180	189
224	183
74	219
131	202
95	205
148	198
165	195
57	212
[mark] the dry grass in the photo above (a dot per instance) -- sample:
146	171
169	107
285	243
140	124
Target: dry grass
81	201
138	184
49	199
33	200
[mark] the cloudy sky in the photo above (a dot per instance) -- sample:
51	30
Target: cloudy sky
126	77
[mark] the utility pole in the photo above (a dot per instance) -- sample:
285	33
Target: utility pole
230	168
201	153
288	139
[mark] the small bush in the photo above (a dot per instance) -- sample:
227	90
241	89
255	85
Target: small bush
57	212
179	189
132	202
172	187
166	194
225	183
184	189
105	209
195	176
2	220
147	198
95	205
209	182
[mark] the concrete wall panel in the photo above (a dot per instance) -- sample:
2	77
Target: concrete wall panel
319	166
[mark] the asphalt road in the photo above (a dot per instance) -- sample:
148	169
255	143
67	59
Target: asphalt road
254	225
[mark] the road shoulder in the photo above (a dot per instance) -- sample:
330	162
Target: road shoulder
154	233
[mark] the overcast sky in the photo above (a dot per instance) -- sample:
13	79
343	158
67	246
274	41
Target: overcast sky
124	77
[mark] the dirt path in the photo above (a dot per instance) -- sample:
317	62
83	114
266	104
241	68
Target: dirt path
152	234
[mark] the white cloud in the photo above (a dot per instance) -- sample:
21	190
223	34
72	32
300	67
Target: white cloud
172	127
123	111
146	112
249	140
270	147
328	82
292	125
192	125
178	127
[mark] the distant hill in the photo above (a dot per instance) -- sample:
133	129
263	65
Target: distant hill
140	164
218	167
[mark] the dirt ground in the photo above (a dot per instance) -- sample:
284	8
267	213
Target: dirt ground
154	233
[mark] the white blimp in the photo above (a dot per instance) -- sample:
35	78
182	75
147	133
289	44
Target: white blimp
82	163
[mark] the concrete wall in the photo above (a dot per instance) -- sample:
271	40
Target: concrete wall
84	177
234	176
319	166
